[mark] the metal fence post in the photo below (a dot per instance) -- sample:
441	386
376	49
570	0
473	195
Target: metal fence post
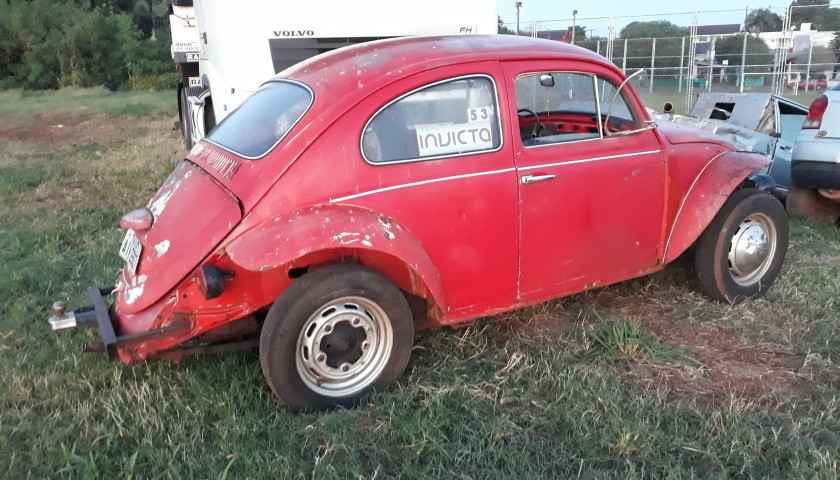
682	62
624	59
744	63
652	64
710	73
808	70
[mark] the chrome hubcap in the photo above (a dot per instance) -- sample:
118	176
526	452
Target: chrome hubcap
751	249
344	346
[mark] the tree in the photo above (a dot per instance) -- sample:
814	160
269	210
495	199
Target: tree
816	12
669	44
835	45
731	48
503	29
763	20
654	29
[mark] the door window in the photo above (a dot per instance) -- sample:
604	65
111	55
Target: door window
451	118
556	107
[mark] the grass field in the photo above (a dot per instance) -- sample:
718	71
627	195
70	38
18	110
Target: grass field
551	391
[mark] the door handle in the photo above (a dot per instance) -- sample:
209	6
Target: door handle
528	179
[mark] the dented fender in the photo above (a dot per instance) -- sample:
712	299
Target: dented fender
706	195
293	235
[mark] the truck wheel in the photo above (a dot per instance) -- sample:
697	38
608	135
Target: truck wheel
186	119
335	335
741	252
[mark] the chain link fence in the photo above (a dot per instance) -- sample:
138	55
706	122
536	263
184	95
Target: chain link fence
705	54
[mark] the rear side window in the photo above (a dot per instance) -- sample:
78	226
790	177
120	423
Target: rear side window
261	122
450	118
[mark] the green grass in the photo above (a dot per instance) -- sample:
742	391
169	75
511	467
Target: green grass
88	100
513	396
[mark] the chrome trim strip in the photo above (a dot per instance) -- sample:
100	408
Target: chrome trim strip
596	159
682	204
414	184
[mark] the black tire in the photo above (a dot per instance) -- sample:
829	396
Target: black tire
741	252
186	119
335	335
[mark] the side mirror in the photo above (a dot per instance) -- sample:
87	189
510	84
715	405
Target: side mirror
776	135
546	80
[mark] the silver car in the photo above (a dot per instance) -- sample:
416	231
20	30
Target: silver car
816	153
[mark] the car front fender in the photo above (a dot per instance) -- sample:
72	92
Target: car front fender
369	236
710	189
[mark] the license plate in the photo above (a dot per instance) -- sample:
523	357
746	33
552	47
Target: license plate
130	250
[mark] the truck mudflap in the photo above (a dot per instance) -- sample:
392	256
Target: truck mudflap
98	315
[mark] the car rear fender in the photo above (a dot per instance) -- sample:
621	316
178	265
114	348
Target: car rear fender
706	195
368	236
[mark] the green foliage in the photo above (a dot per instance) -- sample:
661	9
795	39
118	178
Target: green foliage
47	44
816	12
625	340
835	45
763	20
669	44
731	48
653	29
503	29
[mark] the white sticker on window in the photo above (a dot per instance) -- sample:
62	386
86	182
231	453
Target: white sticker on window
479	114
454	138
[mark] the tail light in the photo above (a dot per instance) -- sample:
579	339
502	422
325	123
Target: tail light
815	113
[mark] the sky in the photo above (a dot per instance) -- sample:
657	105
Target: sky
595	14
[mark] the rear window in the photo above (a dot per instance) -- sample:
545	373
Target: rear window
261	122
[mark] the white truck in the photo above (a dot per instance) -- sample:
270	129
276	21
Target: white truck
224	49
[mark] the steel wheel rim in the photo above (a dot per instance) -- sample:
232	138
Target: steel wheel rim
752	249
344	346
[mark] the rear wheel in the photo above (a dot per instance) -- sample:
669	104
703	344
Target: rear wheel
335	335
741	252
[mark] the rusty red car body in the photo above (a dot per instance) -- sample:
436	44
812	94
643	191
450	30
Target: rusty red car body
534	204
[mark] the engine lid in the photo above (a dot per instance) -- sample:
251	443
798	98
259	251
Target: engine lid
192	214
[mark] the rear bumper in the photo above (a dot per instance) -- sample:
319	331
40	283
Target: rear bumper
116	347
815	174
92	315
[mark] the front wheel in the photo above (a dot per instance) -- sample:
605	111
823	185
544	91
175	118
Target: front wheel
335	335
741	252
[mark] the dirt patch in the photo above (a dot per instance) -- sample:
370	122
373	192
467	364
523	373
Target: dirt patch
60	127
728	366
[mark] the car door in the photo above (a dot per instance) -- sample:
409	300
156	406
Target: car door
591	198
790	118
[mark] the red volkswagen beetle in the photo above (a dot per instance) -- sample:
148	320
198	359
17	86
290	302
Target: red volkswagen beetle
420	182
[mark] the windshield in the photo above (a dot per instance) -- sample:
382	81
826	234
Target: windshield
261	122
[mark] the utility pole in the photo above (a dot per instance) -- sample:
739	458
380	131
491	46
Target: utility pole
574	18
518	5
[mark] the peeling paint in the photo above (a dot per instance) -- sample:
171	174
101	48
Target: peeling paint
161	248
158	206
136	289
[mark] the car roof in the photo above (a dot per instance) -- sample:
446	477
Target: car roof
360	68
